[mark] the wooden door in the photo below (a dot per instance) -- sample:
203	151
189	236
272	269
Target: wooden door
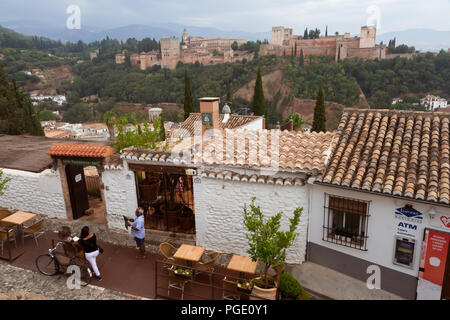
446	284
77	189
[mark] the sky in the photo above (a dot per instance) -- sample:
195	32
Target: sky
242	15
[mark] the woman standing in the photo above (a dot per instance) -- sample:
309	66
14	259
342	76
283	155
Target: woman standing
89	243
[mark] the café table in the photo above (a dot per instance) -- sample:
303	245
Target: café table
242	265
189	253
18	219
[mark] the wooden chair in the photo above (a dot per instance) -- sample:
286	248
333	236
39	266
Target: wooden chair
176	282
168	250
3	214
207	265
35	230
230	290
6	234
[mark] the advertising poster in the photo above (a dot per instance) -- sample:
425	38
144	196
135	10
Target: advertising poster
435	257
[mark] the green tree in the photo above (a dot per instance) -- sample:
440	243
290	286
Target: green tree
326	31
109	118
3	182
188	100
319	121
305	34
162	131
79	113
234	46
259	107
297	121
144	137
302	59
266	243
229	98
47	115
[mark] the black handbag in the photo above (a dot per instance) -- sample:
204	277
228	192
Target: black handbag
100	249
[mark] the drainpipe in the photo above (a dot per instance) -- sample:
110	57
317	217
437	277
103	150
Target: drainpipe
310	183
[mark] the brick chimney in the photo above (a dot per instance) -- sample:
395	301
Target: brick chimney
209	109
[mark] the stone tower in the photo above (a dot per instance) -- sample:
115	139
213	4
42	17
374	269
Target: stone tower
185	37
170	52
277	35
367	37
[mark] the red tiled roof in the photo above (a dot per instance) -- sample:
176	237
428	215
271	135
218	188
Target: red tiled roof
400	153
80	150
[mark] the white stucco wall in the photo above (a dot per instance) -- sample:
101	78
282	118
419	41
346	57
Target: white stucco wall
39	193
382	226
219	213
120	195
254	125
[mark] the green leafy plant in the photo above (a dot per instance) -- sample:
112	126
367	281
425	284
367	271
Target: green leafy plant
3	182
268	244
303	295
290	288
145	136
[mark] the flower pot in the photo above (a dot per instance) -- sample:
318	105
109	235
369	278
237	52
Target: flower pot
259	293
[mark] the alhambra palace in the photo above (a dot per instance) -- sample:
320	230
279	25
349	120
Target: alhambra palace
209	51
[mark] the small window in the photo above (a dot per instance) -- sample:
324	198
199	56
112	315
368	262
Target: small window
345	221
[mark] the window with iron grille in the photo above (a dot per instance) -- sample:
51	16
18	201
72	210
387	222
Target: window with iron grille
345	221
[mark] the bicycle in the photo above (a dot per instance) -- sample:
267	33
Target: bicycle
53	262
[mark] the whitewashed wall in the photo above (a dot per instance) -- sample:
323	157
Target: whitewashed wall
254	125
34	192
120	195
219	213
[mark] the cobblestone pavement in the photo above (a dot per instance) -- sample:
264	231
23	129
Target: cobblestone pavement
21	284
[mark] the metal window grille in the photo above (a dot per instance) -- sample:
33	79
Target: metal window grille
345	221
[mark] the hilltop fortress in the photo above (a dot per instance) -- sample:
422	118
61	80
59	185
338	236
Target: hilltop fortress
206	51
337	46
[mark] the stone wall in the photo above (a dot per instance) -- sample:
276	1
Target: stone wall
34	192
120	195
219	213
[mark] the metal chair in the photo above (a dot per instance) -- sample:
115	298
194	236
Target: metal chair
35	230
176	282
3	214
230	290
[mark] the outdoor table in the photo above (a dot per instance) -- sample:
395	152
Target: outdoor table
18	219
189	253
242	265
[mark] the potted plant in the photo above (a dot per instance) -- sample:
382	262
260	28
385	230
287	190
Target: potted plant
245	286
268	245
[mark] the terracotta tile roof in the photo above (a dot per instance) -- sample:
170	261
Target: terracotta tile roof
401	153
253	178
80	150
194	124
274	149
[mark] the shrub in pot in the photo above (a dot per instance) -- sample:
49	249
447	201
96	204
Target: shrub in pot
266	243
289	287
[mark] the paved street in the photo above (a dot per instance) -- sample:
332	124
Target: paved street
20	284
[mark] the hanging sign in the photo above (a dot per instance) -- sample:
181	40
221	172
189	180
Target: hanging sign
409	214
207	118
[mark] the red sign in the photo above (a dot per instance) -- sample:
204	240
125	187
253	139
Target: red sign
436	257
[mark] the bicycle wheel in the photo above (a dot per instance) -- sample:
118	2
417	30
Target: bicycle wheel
85	276
47	265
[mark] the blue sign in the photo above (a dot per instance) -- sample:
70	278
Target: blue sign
409	214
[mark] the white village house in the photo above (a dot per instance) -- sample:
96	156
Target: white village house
383	200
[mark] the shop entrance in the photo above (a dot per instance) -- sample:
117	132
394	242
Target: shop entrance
167	198
77	190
